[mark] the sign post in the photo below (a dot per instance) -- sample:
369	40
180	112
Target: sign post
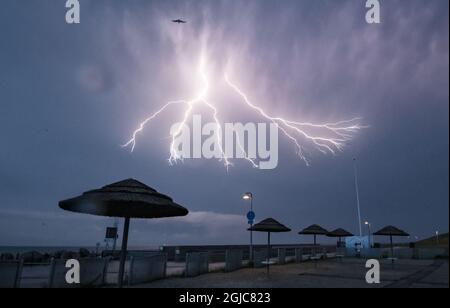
251	219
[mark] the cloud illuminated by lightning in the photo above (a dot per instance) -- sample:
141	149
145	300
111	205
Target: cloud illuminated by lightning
200	99
332	138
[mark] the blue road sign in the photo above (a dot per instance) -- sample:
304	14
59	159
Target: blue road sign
251	215
250	222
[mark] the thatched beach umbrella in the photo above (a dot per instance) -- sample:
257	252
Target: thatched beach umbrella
339	233
269	225
314	230
127	199
391	231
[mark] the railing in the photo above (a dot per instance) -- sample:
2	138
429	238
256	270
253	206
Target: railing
42	275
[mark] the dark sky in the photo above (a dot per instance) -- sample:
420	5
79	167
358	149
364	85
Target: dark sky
70	95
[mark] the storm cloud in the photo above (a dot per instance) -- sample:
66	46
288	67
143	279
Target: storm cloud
70	95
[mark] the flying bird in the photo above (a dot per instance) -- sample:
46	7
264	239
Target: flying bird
179	21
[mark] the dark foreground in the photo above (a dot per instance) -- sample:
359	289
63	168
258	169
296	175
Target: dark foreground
348	273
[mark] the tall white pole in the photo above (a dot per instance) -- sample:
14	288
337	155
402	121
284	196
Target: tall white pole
251	233
357	196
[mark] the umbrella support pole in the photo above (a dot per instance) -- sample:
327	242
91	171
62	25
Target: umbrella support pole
392	248
315	244
123	255
392	252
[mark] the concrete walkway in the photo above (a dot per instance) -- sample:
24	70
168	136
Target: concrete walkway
349	273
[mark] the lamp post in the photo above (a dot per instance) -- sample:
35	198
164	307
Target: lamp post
370	233
249	197
437	238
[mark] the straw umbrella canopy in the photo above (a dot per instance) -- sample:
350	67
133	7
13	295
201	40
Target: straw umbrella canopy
314	230
269	225
391	231
126	199
339	233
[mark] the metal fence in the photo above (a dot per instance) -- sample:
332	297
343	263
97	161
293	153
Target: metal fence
92	274
233	260
144	267
11	273
147	269
197	263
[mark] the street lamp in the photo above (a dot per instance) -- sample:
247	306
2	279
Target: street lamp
250	216
247	196
370	232
437	238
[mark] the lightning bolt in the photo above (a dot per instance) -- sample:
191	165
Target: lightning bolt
334	139
200	99
343	130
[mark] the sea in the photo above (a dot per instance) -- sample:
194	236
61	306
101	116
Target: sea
53	249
